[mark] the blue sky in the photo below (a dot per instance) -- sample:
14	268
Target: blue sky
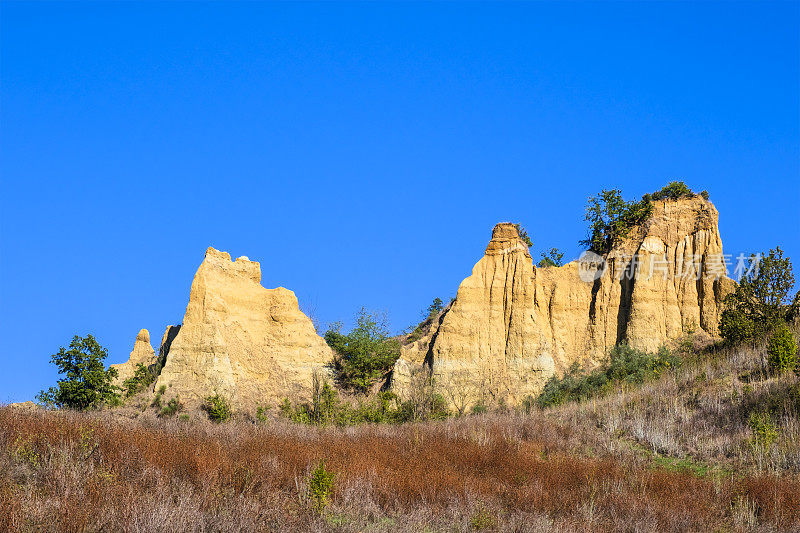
360	152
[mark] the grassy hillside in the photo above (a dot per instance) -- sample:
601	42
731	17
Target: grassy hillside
710	446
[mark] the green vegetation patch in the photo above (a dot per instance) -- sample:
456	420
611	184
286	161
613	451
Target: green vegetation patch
86	383
218	408
364	355
624	365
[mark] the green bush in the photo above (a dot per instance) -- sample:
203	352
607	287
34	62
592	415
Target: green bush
327	408
624	365
364	355
611	218
87	382
157	398
765	432
482	519
480	408
523	234
142	378
262	413
218	408
173	407
760	301
782	351
554	257
415	333
528	403
320	486
673	191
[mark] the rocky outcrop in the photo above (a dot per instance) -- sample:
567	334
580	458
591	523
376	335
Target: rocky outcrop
667	279
166	344
24	406
513	325
238	339
142	353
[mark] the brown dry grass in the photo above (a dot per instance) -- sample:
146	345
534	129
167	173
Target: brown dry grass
88	472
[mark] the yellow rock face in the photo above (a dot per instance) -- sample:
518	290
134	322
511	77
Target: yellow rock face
142	353
513	325
252	345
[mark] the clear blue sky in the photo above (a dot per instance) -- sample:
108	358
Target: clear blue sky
360	152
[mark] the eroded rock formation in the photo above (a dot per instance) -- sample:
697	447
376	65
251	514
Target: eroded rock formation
238	339
514	325
142	353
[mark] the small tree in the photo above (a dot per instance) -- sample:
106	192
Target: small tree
433	309
143	377
782	351
365	354
611	218
760	301
218	408
554	257
87	382
523	234
320	486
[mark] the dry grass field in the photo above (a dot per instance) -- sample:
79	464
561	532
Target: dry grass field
676	454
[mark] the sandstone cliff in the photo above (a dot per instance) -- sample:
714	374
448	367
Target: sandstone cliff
513	325
142	353
250	344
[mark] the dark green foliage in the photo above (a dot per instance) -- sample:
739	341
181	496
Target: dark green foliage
173	407
523	234
482	519
320	486
328	408
433	309
142	378
528	403
427	317
87	382
480	408
218	408
554	257
157	398
673	191
611	218
782	351
364	355
625	365
760	301
704	194
262	413
765	432
435	408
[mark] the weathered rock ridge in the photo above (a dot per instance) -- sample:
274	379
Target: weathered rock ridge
238	339
250	344
142	353
513	325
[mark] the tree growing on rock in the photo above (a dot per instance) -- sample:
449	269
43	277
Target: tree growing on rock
523	234
553	258
611	218
87	382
